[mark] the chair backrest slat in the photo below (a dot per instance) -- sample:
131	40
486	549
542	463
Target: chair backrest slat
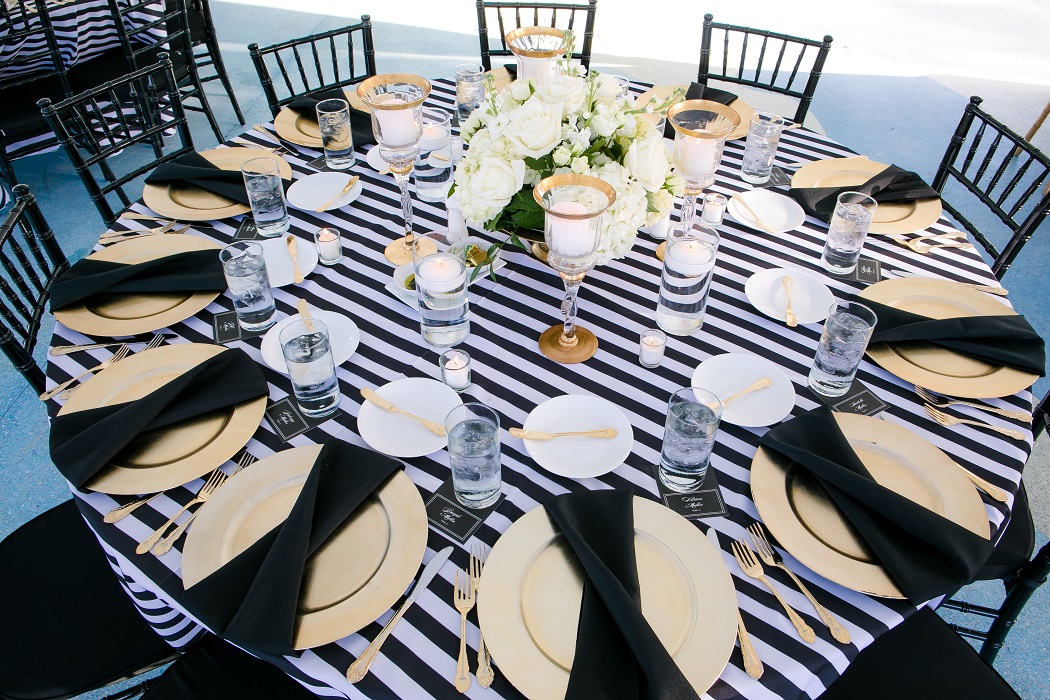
561	15
752	68
24	25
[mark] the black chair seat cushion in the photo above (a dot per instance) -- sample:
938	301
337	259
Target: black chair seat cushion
1015	546
214	668
68	625
111	65
920	659
20	117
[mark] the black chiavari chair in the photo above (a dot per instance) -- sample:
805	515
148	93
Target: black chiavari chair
97	126
562	15
779	63
206	52
310	64
1001	171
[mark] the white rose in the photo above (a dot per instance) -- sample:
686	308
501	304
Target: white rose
520	90
492	186
606	89
562	155
472	124
605	121
535	128
579	165
565	90
647	161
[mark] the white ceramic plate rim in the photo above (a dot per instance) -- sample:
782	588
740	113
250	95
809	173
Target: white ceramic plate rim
415	395
779	212
574	416
302	194
760	285
338	326
740	370
281	274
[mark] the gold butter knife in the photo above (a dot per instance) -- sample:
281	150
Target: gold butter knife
293	250
789	313
755	216
371	395
304	312
763	383
346	188
607	433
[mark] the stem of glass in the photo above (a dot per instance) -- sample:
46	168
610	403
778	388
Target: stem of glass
569	307
406	205
689	198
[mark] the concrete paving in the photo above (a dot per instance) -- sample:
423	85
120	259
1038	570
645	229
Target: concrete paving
896	81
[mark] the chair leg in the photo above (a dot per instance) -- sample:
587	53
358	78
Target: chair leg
224	78
1019	590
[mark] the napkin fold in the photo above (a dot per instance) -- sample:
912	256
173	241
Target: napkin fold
192	271
617	653
1009	341
198	170
925	554
84	442
360	122
252	600
893	185
699	91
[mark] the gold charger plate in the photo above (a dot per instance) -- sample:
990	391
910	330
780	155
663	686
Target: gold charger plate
131	314
186	202
530	604
294	128
361	570
805	521
163	459
846	172
933	367
662	92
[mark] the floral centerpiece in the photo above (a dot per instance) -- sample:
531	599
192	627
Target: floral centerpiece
573	124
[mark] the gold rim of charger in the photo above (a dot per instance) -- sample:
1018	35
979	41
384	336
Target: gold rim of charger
366	89
704	106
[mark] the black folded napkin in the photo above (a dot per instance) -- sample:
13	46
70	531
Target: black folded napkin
617	653
925	554
360	122
892	186
511	68
193	271
699	91
84	442
1009	341
252	600
198	170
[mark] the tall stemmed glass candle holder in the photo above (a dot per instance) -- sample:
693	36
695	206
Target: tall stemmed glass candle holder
536	49
396	103
573	206
701	128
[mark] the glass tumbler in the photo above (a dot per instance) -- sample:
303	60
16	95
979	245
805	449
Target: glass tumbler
433	171
262	181
842	344
470	89
244	266
763	137
849	227
692	422
474	453
307	350
337	139
689	264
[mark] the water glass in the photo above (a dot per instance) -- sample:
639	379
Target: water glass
262	181
337	139
433	171
440	265
842	344
849	227
763	137
245	269
693	416
307	349
689	264
470	89
474	453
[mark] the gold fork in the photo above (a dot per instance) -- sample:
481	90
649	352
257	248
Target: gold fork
944	402
477	561
215	480
771	557
135	234
119	355
165	544
68	349
753	569
155	342
464	602
946	420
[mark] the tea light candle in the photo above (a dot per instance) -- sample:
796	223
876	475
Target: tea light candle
714	208
329	246
697	156
689	258
397	126
434	137
651	352
441	273
571	238
455	369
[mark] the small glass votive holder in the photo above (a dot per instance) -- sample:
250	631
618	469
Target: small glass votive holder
714	208
329	245
651	348
455	369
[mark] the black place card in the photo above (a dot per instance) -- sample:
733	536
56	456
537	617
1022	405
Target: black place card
246	231
868	271
321	164
704	502
859	399
287	420
228	329
449	517
777	178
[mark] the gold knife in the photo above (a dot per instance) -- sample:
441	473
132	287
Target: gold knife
371	395
304	313
346	188
607	433
293	250
790	311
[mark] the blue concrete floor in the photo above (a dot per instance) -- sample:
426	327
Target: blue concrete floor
905	120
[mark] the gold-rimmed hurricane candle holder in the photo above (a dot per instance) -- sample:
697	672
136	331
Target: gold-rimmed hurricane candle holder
701	128
573	206
396	103
536	50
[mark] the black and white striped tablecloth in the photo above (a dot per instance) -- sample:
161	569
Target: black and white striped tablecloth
618	300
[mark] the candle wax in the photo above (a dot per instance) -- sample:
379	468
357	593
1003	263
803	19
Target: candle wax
397	126
457	373
691	258
652	350
697	157
571	238
440	273
328	246
434	137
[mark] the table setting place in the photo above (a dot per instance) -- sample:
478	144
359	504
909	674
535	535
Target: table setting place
291	409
